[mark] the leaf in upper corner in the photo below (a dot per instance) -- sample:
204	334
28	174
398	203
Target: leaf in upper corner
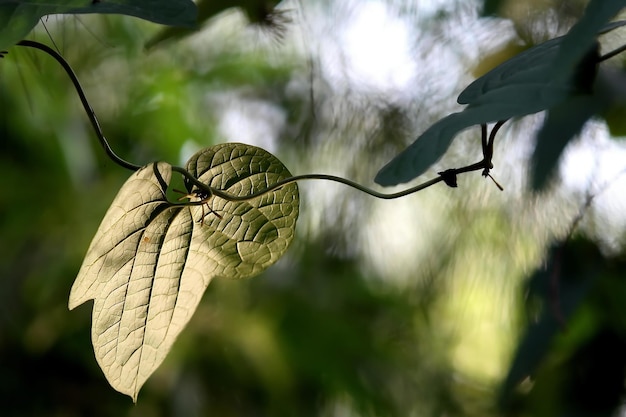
19	17
151	260
257	11
562	123
583	34
435	141
531	67
566	120
491	7
520	86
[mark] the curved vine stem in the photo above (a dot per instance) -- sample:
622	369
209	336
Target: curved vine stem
230	197
333	178
448	176
83	99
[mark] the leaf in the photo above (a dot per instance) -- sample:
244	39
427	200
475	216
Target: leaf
563	122
583	34
255	10
498	57
492	7
520	86
559	288
151	260
19	17
435	141
530	66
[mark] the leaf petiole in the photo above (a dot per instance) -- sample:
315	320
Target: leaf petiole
203	199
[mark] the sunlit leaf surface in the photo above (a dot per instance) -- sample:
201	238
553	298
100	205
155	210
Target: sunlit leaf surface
151	260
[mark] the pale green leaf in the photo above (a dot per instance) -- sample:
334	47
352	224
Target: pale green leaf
151	259
19	17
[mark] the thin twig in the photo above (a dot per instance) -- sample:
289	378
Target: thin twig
611	54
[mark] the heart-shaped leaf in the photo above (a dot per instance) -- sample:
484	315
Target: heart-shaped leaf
151	259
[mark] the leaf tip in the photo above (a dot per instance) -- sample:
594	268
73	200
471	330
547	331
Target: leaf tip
74	300
383	178
397	171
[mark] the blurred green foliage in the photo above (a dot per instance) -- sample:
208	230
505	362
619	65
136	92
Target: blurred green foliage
322	333
310	337
571	360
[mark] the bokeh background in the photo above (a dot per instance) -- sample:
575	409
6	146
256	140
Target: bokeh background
410	307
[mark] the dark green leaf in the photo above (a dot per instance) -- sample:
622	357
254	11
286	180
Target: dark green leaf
529	67
491	7
255	10
16	21
559	287
522	85
562	123
582	36
499	104
18	17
